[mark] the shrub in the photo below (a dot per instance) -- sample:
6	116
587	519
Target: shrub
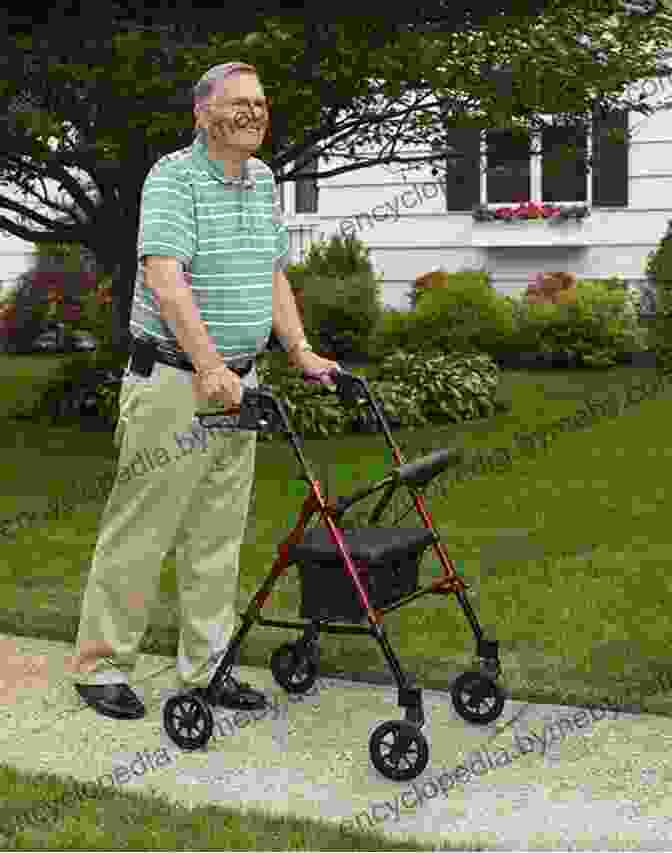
453	387
601	325
338	294
87	381
97	313
413	391
392	332
340	257
558	288
659	270
440	279
341	313
467	316
296	275
82	385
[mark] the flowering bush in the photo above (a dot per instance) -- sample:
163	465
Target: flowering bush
63	297
8	323
530	210
97	313
601	325
558	288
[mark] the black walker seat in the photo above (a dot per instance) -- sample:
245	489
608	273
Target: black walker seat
349	574
387	561
371	544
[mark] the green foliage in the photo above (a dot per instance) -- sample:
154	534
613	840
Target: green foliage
392	332
600	326
468	315
341	294
659	270
339	257
296	275
413	390
460	281
80	376
97	318
341	312
453	387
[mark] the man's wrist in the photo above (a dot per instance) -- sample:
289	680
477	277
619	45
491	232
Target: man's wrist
209	365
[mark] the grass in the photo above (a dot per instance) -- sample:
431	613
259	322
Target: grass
561	549
111	820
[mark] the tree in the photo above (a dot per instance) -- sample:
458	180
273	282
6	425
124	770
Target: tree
93	113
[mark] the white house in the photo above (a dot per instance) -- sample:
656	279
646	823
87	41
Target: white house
413	222
15	254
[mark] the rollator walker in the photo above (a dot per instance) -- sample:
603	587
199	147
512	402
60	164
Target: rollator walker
349	575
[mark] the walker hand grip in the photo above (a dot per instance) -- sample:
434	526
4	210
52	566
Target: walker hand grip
260	411
349	387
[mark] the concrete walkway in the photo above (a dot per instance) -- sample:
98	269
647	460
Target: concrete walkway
555	778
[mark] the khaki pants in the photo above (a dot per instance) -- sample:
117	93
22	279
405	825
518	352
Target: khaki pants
177	485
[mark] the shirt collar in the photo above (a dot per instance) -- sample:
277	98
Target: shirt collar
216	168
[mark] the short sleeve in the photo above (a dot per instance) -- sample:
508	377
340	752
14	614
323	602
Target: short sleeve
167	225
282	232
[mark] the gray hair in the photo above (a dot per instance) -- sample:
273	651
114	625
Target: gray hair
206	85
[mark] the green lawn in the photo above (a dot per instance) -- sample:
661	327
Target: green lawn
567	550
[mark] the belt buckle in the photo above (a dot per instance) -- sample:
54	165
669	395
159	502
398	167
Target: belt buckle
243	369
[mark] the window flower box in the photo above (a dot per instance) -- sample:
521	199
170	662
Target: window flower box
531	212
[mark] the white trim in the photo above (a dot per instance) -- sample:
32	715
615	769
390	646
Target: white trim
536	172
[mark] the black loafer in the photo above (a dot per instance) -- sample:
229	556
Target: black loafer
230	693
112	700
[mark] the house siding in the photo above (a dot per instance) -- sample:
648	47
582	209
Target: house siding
403	220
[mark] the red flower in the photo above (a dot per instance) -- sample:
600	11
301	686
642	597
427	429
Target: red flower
71	313
87	281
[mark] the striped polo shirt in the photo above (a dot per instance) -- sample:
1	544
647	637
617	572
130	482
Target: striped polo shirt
229	235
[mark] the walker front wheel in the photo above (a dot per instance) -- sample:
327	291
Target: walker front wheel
188	721
399	750
292	670
477	698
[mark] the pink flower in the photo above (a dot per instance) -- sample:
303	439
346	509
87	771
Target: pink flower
87	281
71	313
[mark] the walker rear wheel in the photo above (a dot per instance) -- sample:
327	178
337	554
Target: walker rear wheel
188	721
477	698
399	750
292	670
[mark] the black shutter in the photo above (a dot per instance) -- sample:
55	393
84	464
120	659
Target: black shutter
306	189
463	171
508	175
610	159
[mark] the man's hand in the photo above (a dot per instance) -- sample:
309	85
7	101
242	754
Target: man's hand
317	368
222	385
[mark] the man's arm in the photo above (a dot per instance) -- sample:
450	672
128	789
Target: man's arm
286	321
165	278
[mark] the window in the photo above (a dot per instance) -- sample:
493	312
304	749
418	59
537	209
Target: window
510	166
306	188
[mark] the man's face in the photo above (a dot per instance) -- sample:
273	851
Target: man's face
236	115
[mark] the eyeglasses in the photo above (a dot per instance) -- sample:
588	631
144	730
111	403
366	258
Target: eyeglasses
244	104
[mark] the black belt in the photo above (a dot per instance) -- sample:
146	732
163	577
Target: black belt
144	353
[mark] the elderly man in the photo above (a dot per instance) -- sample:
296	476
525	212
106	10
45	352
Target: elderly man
209	290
